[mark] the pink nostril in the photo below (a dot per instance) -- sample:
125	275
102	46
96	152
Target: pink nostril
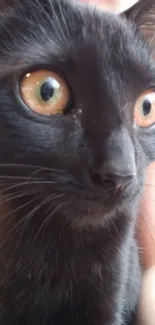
118	182
119	187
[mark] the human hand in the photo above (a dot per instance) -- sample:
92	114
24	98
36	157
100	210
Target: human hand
114	5
146	236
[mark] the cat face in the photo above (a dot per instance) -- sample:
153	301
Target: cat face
76	107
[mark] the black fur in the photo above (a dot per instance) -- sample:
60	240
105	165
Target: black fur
67	250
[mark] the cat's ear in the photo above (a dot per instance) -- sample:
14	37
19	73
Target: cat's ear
142	14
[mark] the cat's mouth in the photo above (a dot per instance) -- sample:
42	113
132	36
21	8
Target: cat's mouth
88	206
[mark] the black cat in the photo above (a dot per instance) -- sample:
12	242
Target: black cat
77	130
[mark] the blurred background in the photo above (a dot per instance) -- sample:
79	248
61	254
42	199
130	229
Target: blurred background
116	5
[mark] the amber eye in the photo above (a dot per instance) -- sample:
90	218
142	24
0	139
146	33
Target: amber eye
45	92
144	111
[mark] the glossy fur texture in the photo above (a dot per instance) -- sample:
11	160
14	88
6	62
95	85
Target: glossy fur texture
67	250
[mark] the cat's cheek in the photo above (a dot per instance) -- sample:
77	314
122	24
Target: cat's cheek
5	217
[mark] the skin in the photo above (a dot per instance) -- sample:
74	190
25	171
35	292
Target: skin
146	225
115	5
146	236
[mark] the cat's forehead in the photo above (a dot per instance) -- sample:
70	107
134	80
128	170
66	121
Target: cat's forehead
66	20
65	32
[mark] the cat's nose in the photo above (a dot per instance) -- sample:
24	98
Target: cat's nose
121	181
118	182
118	165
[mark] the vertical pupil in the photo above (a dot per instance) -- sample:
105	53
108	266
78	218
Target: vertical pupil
146	107
47	89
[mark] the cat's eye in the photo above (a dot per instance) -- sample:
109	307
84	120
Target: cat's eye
45	92
144	111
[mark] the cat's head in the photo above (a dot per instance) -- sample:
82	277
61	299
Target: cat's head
77	105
